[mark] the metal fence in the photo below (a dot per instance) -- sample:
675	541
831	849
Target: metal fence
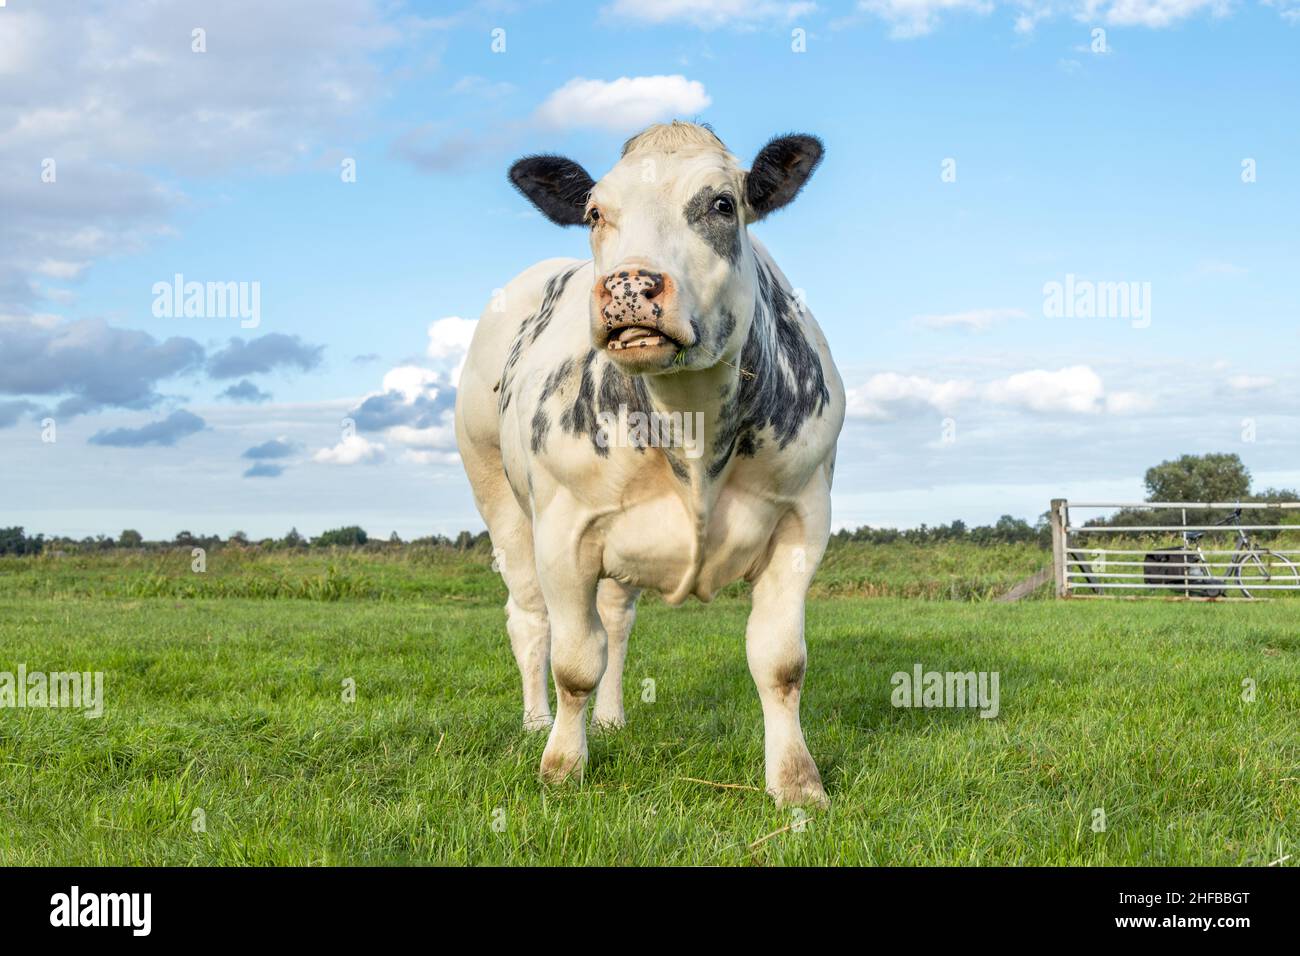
1227	560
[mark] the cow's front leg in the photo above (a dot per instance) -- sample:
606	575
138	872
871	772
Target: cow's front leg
568	577
774	646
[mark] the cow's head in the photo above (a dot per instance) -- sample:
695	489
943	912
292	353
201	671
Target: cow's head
676	278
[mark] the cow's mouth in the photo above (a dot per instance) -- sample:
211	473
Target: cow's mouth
640	337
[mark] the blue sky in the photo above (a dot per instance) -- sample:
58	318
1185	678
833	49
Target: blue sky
976	151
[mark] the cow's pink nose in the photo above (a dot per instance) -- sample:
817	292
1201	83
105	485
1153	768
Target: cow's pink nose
633	296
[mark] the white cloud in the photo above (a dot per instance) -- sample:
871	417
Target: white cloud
707	13
1216	267
1249	383
625	104
1075	389
873	400
1128	403
441	437
1288	9
449	340
977	320
413	408
117	83
117	97
1027	20
430	457
352	450
914	18
60	268
411	381
1150	13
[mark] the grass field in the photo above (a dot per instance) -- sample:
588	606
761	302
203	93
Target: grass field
223	694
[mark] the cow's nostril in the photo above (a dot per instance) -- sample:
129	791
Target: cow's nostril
658	283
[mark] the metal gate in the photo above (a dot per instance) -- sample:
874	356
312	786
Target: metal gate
1224	560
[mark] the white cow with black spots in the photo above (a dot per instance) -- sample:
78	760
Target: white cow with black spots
575	418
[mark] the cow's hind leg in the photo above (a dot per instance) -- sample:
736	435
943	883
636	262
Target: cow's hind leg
616	603
526	618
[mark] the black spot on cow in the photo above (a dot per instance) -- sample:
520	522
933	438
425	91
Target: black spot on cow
541	425
784	384
533	326
615	389
619	390
722	331
706	213
678	466
580	416
559	375
553	383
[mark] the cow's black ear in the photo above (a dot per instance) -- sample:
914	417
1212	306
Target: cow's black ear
780	170
558	187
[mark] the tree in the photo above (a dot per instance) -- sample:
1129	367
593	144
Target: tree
13	541
1215	477
293	539
1010	529
130	538
348	537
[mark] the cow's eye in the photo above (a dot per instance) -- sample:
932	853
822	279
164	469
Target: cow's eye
724	205
593	216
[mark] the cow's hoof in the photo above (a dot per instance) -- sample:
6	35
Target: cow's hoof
798	784
605	722
562	767
536	722
809	796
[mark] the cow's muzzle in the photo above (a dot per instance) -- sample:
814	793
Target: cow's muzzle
637	319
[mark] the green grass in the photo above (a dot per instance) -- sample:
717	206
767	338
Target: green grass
233	705
952	571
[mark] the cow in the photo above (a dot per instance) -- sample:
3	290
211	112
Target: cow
572	415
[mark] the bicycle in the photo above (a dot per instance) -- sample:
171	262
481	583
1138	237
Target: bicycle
1250	565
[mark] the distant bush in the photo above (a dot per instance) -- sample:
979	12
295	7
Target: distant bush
350	537
13	541
1007	530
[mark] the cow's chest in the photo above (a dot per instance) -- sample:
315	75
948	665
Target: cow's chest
681	549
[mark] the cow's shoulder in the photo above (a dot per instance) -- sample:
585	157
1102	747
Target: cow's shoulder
527	306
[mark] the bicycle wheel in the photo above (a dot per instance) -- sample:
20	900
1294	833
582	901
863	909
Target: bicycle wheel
1258	568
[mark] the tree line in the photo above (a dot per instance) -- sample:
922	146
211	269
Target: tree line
16	541
1218	478
1193	478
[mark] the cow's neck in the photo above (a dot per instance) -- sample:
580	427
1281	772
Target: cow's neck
703	399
